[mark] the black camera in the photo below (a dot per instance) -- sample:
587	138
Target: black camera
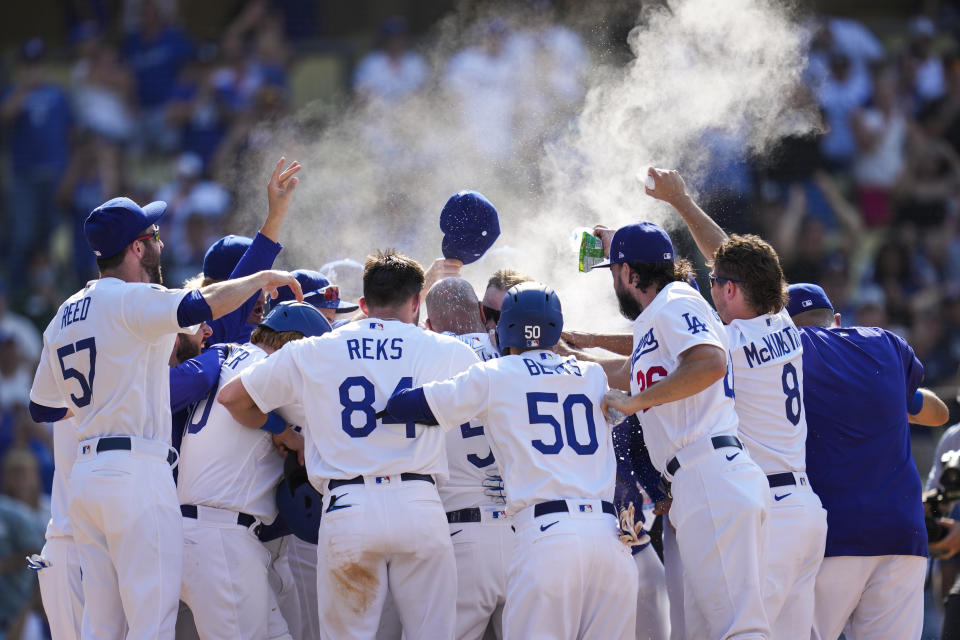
935	501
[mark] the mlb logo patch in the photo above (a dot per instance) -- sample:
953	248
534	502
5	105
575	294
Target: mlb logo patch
586	508
85	449
807	303
533	343
668	256
376	325
499	514
383	479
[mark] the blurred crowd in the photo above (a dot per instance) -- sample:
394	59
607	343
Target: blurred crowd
868	207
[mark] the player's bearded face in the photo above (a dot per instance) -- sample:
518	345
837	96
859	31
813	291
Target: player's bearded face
151	262
629	307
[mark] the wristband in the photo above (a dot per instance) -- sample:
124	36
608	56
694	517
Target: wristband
274	424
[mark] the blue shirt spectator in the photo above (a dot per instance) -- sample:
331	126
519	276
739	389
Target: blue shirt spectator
156	62
40	122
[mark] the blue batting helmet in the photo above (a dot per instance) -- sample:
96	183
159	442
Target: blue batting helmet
297	316
530	317
299	506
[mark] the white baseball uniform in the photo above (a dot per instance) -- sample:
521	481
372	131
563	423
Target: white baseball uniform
105	356
768	382
60	587
569	574
227	488
720	496
482	538
384	528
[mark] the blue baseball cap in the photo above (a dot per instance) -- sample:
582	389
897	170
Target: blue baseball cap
317	291
296	316
641	242
806	297
116	223
470	226
223	255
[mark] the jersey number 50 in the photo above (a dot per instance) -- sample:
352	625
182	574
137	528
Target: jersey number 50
569	424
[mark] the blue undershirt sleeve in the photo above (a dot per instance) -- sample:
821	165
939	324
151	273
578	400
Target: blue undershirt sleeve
233	326
193	310
40	413
410	405
193	379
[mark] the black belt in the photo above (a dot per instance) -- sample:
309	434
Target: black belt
243	519
784	479
119	443
333	484
464	515
719	442
560	506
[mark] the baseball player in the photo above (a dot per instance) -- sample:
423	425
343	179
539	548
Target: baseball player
227	486
482	539
678	377
497	287
860	385
105	359
58	568
570	577
384	527
750	294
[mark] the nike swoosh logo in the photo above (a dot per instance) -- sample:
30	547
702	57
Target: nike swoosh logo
733	456
333	503
455	532
779	498
544	527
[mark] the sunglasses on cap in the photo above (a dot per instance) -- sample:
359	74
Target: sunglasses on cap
330	293
714	279
154	233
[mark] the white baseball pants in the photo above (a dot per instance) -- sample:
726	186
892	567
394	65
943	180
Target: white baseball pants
720	507
798	534
869	597
302	558
283	585
61	589
483	551
391	535
225	580
653	607
127	527
570	577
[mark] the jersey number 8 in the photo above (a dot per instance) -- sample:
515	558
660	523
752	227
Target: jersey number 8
364	406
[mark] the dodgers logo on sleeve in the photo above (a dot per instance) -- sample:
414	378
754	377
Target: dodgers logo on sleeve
694	324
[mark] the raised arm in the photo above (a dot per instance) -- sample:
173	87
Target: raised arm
224	297
669	187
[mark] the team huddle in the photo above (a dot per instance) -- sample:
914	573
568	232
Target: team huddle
339	470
